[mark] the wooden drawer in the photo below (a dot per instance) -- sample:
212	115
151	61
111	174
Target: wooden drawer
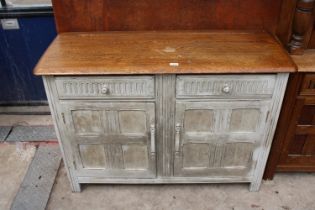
225	86
102	87
308	85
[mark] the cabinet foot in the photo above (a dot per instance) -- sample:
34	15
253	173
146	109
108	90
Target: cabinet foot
75	187
254	186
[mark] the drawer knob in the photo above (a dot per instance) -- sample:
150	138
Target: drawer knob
104	89
226	89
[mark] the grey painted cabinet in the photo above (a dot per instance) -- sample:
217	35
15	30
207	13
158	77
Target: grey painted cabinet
165	128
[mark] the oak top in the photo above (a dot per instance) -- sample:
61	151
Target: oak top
164	53
305	62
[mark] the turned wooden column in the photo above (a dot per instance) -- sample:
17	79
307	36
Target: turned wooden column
301	23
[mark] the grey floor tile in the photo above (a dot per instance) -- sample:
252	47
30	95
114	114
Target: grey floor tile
4	131
32	133
36	187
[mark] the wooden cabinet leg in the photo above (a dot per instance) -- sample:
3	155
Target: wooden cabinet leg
254	186
75	186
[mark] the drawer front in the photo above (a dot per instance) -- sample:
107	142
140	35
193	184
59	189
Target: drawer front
308	85
102	87
225	86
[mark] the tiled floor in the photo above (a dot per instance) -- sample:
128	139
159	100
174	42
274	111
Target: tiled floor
37	184
20	135
31	128
32	133
286	192
14	159
26	120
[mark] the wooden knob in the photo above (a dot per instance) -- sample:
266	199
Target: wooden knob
226	89
104	89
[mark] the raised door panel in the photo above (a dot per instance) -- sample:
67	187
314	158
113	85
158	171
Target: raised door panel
111	139
218	138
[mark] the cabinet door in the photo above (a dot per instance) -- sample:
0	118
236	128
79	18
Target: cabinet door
111	139
218	138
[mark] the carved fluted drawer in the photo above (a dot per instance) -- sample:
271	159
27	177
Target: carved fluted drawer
225	86
102	87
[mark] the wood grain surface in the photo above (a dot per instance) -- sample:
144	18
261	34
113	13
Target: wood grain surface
127	15
305	62
173	52
311	43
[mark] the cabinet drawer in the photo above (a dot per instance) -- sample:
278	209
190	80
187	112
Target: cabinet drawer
225	86
102	87
308	85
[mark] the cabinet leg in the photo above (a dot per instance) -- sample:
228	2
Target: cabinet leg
254	186
75	186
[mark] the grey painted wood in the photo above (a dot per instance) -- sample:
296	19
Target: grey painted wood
64	146
272	120
190	129
162	161
167	110
225	86
165	180
35	189
218	137
121	130
102	87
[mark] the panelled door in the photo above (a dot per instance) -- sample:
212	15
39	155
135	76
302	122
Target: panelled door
112	139
218	138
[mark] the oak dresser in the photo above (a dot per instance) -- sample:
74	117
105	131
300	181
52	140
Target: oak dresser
165	107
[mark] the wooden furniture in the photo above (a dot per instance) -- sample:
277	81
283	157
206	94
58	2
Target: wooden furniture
290	20
296	25
165	107
113	15
294	144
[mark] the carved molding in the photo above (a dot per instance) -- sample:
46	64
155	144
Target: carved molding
188	86
300	26
98	87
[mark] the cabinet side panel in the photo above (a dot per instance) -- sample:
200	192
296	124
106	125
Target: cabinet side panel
272	121
68	161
